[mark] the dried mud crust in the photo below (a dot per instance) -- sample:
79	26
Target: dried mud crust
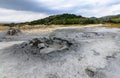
65	54
45	48
78	34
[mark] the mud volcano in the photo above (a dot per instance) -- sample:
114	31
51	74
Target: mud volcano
13	31
44	47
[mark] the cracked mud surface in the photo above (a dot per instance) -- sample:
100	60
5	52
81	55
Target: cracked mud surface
65	53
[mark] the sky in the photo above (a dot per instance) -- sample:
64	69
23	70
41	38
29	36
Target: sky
27	10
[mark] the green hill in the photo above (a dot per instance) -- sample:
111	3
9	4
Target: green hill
68	19
65	19
111	19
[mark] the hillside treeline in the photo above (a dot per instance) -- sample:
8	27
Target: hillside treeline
67	19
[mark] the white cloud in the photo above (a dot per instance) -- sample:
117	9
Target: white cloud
59	4
81	7
73	3
85	7
7	15
100	10
112	10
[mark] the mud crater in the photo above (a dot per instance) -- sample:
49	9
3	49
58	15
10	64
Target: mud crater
45	48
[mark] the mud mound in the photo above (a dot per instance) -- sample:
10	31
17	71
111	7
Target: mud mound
44	47
49	45
13	31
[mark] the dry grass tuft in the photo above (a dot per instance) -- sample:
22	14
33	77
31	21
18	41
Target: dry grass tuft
111	25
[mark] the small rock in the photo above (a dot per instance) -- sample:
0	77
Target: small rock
90	72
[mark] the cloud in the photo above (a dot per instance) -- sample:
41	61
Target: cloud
56	6
63	4
108	8
24	5
7	15
84	7
31	8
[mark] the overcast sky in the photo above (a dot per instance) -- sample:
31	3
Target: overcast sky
28	10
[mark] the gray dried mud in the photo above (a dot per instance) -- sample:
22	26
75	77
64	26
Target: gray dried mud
64	53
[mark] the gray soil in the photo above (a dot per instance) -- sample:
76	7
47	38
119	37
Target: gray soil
63	53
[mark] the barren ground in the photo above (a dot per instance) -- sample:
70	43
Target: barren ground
74	52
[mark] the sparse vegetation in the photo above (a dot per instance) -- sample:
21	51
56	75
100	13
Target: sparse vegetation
65	19
69	19
111	25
